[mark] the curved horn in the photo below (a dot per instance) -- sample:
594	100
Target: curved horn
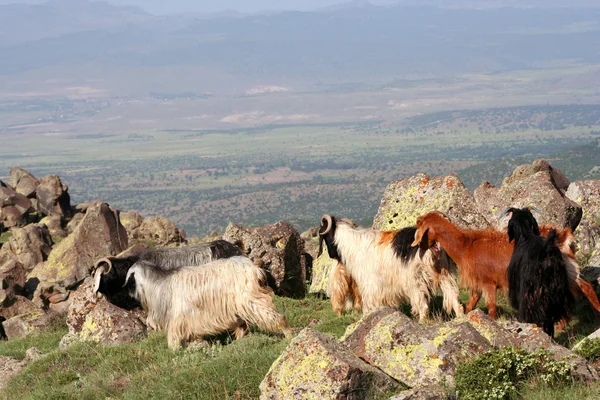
98	277
326	219
534	208
106	260
509	209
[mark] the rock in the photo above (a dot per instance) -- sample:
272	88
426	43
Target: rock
98	235
592	275
12	280
131	221
33	354
407	199
311	241
593	335
97	320
321	270
425	393
29	246
15	209
55	225
417	355
315	366
536	184
278	249
587	194
17	305
74	222
53	197
9	367
533	338
23	182
23	324
158	230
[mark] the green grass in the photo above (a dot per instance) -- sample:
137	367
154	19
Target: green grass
148	369
577	390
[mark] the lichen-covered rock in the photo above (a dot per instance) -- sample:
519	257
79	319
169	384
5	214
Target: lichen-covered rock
315	366
17	305
424	393
98	235
418	355
97	320
536	184
158	230
487	327
74	222
24	324
131	221
23	182
587	194
55	225
9	367
278	249
533	338
321	270
28	246
407	199
15	208
53	197
12	280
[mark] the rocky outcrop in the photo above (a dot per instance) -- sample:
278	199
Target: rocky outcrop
587	194
315	366
278	249
53	197
28	246
405	200
321	270
536	184
15	209
23	182
74	222
95	319
158	230
99	234
55	225
131	221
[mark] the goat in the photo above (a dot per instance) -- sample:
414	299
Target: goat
379	268
190	303
538	282
483	256
109	273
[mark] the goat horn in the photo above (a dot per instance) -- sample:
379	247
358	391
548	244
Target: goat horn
106	260
326	219
98	277
509	209
534	208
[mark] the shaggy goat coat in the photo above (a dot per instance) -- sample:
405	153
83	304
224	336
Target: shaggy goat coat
538	281
110	272
379	268
189	303
483	256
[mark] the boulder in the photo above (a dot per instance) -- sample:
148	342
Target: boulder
533	338
158	230
53	197
417	355
98	235
97	320
74	222
28	246
407	199
587	194
24	324
12	280
55	225
315	366
9	367
536	184
17	305
591	273
23	182
15	208
131	221
321	270
278	249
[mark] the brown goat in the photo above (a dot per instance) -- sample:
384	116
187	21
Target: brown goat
483	257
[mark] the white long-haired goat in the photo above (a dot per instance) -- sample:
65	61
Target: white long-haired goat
380	268
189	303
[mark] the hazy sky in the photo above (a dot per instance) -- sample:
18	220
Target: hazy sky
209	6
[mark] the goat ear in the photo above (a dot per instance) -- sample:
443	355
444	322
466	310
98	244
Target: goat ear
419	237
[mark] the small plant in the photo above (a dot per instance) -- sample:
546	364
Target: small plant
497	374
589	349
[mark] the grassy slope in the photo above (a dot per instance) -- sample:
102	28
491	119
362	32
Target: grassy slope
150	370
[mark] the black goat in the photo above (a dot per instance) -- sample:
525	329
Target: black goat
538	283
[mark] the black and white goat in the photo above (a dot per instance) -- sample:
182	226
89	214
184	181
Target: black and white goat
110	272
385	269
538	281
189	303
